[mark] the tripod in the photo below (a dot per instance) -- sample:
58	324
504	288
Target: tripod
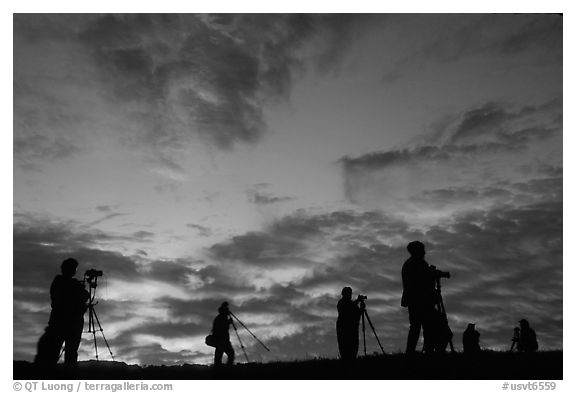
515	339
240	341
440	307
92	316
248	330
366	316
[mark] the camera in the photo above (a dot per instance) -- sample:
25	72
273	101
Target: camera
439	273
93	273
362	297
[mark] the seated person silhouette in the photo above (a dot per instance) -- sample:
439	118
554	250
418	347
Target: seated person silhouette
471	340
66	322
220	332
349	313
527	341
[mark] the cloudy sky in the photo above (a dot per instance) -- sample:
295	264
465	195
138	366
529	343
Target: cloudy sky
270	160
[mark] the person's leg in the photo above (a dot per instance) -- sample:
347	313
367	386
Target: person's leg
218	355
341	344
49	345
73	338
229	353
415	317
43	348
346	345
354	345
431	330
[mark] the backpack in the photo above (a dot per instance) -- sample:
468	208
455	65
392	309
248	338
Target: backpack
210	341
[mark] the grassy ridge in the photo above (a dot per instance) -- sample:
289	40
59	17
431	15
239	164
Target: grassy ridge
486	365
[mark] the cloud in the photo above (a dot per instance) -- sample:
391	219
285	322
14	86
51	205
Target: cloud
258	196
107	217
158	312
30	149
492	286
474	157
530	39
204	74
201	230
143	235
159	83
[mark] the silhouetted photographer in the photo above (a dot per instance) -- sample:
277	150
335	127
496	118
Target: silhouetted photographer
527	341
471	340
421	294
221	335
349	313
68	300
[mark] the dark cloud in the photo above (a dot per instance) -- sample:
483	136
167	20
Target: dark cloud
288	242
201	230
207	74
258	195
490	128
491	286
143	235
107	217
493	144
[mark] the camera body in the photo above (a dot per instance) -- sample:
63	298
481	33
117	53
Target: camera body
91	277
362	297
93	273
439	273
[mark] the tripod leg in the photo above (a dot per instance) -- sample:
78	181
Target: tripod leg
445	316
249	331
240	341
374	331
103	336
364	332
92	328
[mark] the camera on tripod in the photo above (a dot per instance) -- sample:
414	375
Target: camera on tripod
91	276
439	273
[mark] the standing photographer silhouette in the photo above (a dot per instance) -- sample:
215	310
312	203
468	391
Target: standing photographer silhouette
349	313
68	297
221	336
420	295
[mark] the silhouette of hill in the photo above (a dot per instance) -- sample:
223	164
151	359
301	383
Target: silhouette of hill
486	365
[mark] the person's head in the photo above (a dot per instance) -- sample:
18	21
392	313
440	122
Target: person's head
524	324
68	267
347	293
223	309
471	326
416	249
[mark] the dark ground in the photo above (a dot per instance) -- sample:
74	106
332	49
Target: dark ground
487	365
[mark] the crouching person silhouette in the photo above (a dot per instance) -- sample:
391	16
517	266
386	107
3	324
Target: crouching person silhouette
471	340
527	341
349	313
221	336
68	300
